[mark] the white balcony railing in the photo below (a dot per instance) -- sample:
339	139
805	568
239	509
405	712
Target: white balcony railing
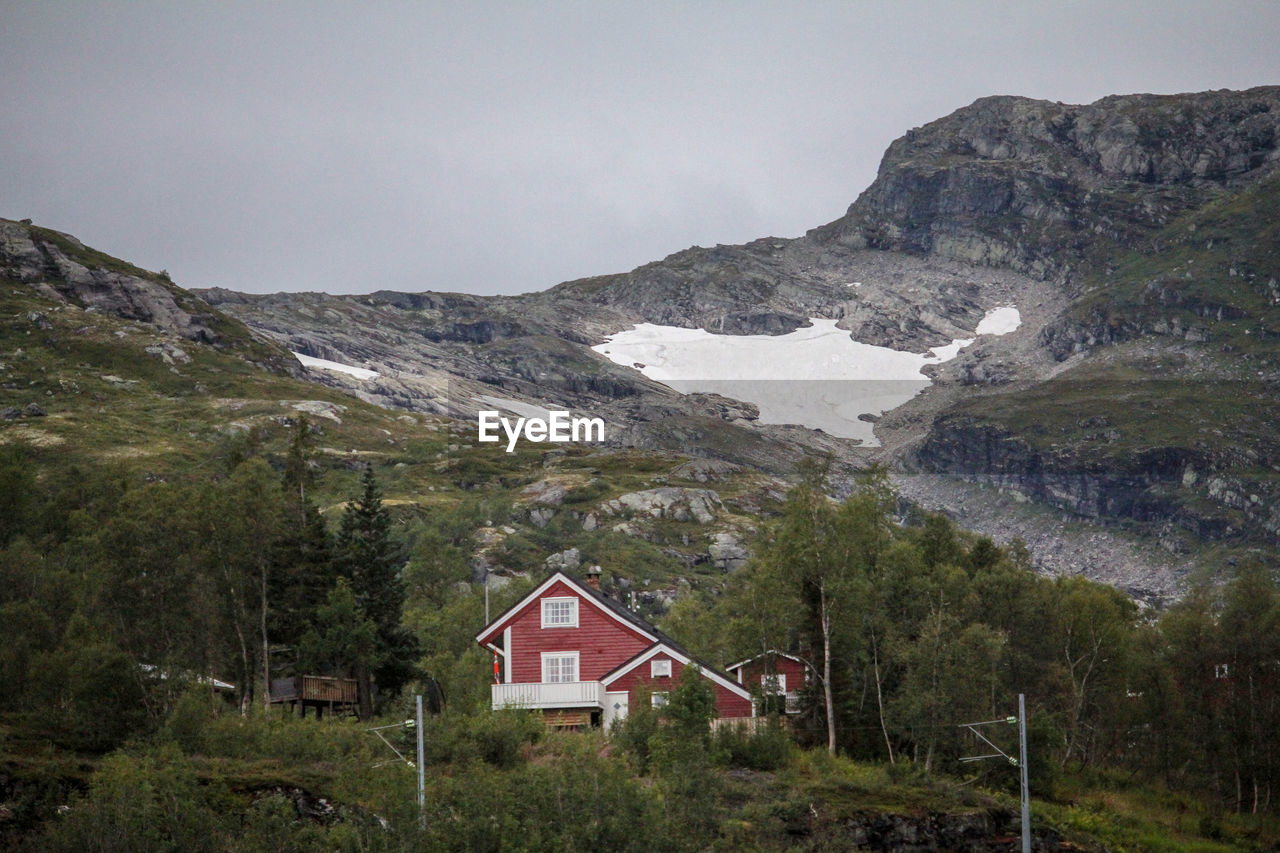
564	694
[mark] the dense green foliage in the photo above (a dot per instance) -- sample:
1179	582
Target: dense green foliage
912	629
124	597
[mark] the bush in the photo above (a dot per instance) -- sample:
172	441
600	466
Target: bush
638	731
192	714
151	801
768	748
492	737
499	735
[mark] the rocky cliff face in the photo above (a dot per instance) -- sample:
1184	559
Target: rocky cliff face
1041	187
1133	233
1139	236
61	265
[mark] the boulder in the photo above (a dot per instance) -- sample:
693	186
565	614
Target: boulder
569	559
727	552
671	502
545	492
169	353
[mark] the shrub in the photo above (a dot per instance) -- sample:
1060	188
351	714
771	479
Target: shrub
768	748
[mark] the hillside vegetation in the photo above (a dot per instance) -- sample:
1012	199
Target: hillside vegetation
180	502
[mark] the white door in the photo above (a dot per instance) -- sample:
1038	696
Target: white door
615	708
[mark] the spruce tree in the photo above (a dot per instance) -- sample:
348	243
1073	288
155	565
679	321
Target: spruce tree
370	560
305	557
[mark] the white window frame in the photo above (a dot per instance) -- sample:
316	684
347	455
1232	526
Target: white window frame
660	668
559	656
779	680
572	622
658	699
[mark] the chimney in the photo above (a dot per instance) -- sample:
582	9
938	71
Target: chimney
593	577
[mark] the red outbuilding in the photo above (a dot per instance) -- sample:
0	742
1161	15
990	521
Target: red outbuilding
581	657
773	673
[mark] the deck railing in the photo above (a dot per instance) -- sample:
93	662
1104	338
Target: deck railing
564	694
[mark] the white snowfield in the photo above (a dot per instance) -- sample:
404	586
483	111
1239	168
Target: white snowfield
524	410
818	376
325	364
999	321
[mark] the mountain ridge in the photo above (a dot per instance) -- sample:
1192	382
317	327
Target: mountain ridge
1090	219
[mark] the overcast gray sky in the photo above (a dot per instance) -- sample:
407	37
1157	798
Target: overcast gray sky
504	147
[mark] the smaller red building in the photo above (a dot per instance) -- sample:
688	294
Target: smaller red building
581	657
774	673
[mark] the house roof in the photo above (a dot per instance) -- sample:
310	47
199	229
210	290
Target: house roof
773	652
612	608
679	654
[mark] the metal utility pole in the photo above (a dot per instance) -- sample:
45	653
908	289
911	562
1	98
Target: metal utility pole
1022	754
416	725
422	772
1020	761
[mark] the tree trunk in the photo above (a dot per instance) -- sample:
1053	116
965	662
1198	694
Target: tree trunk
266	646
246	674
875	663
826	668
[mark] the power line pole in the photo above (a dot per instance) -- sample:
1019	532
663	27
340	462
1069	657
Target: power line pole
416	725
1022	753
422	773
1020	761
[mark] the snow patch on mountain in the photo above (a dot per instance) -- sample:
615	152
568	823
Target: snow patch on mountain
325	364
816	376
999	321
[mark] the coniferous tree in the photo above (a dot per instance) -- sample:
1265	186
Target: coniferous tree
369	558
305	558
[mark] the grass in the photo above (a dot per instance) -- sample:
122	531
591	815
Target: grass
110	402
1223	255
1130	816
813	801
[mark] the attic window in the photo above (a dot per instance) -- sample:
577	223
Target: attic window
660	669
559	613
774	683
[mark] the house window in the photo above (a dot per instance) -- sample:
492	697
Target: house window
660	669
1221	670
774	683
658	700
559	613
559	667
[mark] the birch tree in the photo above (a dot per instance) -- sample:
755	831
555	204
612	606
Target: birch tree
814	570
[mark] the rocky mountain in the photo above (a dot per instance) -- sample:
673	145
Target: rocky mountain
1046	188
1125	429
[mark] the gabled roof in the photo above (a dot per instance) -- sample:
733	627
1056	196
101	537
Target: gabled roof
672	650
773	652
607	605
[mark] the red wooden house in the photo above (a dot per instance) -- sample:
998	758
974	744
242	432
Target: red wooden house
579	656
773	673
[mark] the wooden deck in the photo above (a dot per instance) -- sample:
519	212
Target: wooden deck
320	692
